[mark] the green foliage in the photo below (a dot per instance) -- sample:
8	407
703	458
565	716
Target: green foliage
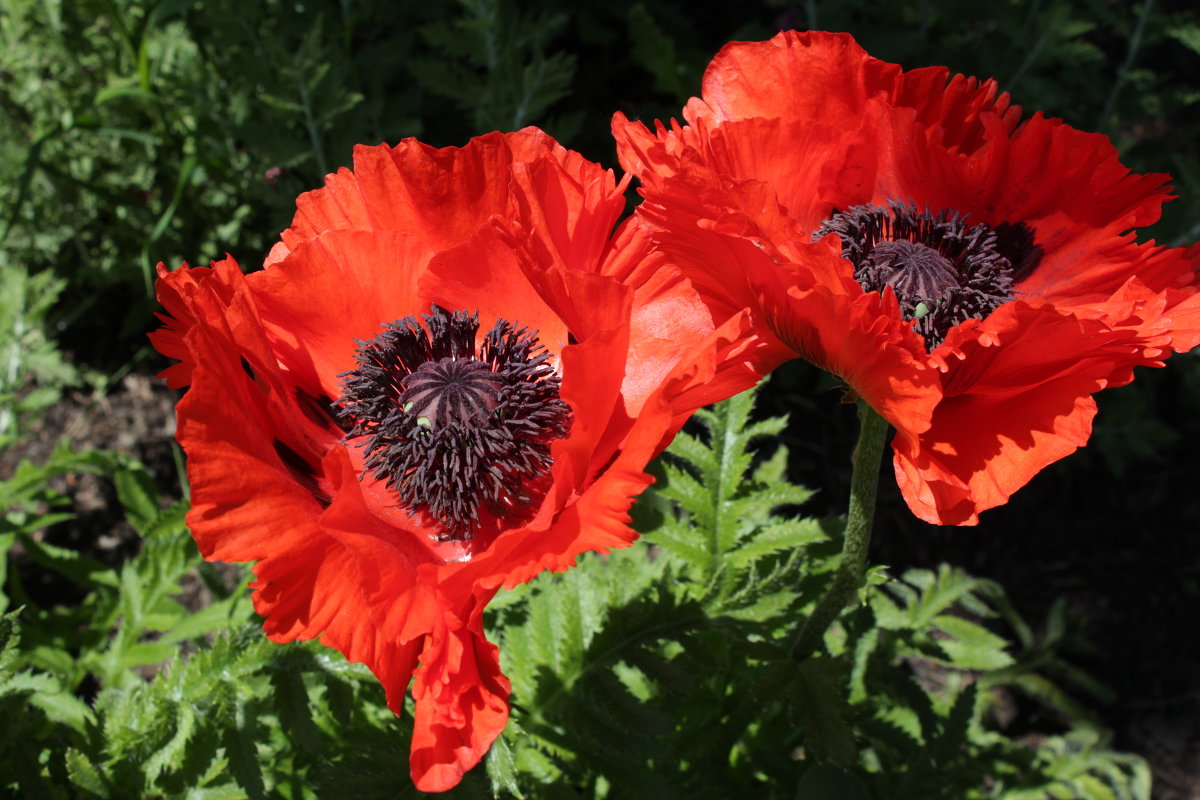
32	372
660	669
134	692
664	669
499	74
133	132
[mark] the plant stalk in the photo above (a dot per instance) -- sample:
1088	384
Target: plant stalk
864	480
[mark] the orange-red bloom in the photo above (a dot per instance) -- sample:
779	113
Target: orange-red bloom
459	318
971	275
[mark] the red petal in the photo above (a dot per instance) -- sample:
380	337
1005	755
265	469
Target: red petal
440	195
1018	400
260	483
361	281
567	208
461	703
863	341
790	76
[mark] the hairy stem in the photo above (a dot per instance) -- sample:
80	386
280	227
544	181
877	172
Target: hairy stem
849	576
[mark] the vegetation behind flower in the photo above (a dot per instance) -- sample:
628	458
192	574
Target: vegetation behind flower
160	137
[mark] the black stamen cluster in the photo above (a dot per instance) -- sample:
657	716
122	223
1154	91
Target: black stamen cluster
942	270
451	428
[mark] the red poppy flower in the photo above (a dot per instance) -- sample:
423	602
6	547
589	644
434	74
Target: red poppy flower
970	275
447	379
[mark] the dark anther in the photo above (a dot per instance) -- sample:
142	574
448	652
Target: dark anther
453	428
942	270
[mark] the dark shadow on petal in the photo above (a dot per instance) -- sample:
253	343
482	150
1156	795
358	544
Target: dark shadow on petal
302	472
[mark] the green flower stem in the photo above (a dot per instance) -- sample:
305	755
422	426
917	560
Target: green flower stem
864	480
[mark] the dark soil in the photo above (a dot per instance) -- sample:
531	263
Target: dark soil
137	418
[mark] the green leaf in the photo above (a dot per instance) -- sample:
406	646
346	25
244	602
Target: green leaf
774	537
727	527
110	93
241	749
827	782
766	606
954	734
70	563
501	767
290	698
145	653
816	691
233	610
972	646
47	693
85	775
138	495
682	541
170	756
10	636
654	50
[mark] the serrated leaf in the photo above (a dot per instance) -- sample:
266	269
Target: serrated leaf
241	750
70	563
940	590
64	707
138	496
1046	691
817	694
769	498
10	635
864	649
876	576
501	767
170	756
786	535
233	610
85	775
693	451
770	427
765	607
168	522
145	653
889	615
773	469
292	705
905	721
683	542
973	646
958	722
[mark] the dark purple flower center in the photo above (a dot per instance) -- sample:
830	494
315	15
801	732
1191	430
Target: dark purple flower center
942	270
451	391
452	428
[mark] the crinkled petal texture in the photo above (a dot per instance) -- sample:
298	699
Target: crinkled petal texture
511	226
791	130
